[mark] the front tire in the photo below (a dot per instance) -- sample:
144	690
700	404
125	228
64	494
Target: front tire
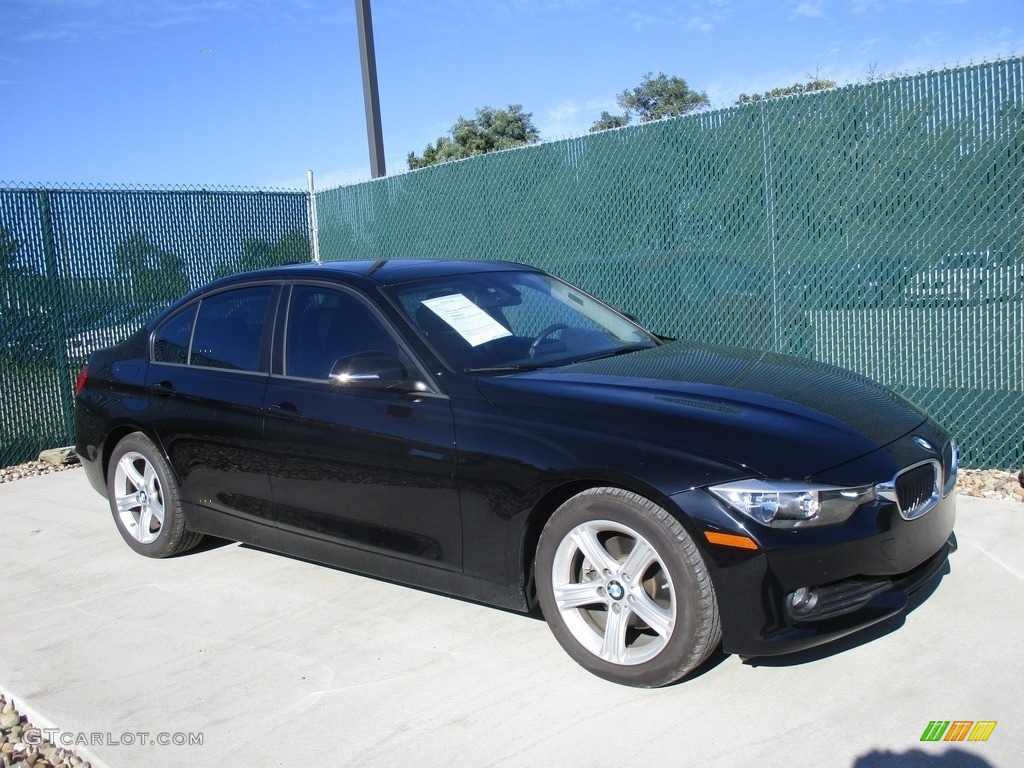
144	500
624	589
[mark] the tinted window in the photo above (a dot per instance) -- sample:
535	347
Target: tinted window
171	342
505	319
325	326
229	329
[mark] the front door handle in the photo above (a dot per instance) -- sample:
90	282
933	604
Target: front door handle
163	389
284	411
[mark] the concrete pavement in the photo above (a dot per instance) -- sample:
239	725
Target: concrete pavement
272	661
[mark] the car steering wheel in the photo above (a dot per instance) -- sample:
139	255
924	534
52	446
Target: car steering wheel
540	337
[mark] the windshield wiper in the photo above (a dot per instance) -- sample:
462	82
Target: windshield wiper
618	351
517	368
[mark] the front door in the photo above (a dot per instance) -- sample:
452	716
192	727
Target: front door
368	468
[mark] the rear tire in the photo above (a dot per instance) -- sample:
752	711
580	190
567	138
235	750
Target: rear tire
145	501
624	589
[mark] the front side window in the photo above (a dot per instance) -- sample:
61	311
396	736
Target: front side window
327	325
229	329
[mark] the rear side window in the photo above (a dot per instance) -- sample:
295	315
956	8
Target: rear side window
222	331
229	329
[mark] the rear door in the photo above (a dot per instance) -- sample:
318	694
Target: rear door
209	376
368	468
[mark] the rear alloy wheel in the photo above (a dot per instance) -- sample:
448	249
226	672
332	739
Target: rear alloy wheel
624	589
144	500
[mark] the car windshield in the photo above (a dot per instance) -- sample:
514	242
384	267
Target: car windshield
498	322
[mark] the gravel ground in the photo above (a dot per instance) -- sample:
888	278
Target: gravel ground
991	484
32	469
21	744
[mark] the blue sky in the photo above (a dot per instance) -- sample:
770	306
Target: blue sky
254	92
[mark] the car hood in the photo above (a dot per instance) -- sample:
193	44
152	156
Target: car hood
778	416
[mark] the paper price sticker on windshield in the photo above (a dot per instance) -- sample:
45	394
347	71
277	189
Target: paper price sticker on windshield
467	319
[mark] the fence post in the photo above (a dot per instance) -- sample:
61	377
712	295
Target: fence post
769	181
55	307
314	229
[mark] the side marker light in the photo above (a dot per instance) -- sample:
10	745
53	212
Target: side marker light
730	540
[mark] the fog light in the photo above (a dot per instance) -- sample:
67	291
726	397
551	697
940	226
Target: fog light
803	600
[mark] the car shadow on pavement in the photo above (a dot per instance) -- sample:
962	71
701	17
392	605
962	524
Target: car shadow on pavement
717	657
206	544
916	758
861	637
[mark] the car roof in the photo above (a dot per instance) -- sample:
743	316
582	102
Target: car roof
362	273
387	271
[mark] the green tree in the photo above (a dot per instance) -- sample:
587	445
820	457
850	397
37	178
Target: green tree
259	254
607	121
874	76
156	274
661	96
818	84
491	130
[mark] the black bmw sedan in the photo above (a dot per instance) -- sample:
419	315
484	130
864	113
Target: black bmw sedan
489	431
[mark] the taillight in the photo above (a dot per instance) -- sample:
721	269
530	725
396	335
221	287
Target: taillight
80	381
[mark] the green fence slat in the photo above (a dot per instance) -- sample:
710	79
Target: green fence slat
80	268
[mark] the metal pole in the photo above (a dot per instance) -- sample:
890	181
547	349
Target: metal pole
314	229
368	59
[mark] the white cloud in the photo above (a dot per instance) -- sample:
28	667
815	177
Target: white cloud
642	21
572	118
811	9
862	6
44	20
704	17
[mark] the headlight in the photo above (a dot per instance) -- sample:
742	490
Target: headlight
785	504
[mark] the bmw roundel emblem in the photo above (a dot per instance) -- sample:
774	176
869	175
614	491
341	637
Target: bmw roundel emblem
924	444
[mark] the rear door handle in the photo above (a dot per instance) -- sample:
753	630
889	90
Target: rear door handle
284	411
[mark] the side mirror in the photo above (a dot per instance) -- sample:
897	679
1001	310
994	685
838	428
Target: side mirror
372	370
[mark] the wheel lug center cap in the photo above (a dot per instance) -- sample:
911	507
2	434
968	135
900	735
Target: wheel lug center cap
143	498
615	590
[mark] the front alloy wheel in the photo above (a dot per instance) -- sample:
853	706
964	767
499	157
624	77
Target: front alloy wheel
624	589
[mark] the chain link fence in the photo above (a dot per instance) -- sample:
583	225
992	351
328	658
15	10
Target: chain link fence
81	269
877	227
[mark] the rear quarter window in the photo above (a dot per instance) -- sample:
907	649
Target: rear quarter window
171	342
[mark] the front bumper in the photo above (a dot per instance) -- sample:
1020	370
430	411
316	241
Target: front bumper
860	572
